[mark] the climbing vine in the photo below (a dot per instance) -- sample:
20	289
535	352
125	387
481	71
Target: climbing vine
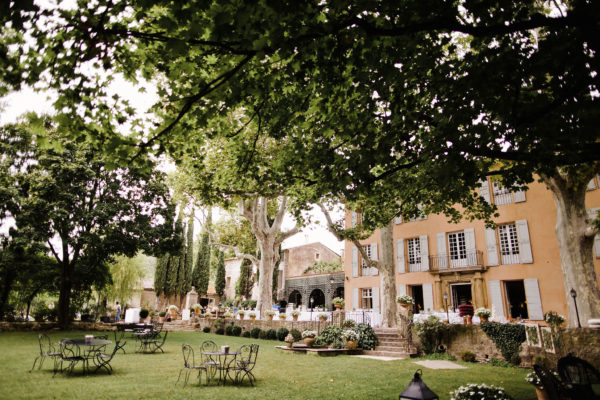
507	337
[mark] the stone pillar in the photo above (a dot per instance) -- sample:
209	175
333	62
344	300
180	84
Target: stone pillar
438	298
191	298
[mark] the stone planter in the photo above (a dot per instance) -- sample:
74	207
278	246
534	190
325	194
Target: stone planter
309	341
295	317
351	344
269	317
289	344
252	317
337	306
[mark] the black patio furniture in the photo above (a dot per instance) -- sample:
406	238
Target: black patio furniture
244	364
555	389
102	360
47	349
582	378
211	362
120	340
189	365
152	343
70	354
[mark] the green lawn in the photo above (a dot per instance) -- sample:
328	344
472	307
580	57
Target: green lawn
279	375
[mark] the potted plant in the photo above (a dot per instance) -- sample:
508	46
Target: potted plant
351	338
481	391
289	340
338	302
282	316
295	314
252	315
241	314
197	310
405	301
173	311
532	378
484	314
228	315
144	314
322	317
309	337
554	319
270	314
161	316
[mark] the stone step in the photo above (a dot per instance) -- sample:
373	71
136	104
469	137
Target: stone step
393	354
390	348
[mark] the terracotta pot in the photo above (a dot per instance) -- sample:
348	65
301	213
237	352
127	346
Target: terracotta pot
541	394
253	317
289	344
469	320
337	306
241	316
161	319
295	317
484	319
351	344
309	341
270	317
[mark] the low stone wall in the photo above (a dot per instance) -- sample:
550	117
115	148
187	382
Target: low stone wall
247	324
472	338
46	326
582	342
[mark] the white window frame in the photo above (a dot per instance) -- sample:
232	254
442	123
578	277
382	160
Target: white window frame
413	246
366	298
457	249
509	244
502	195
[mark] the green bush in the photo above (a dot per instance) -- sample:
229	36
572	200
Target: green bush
144	313
507	337
262	335
249	304
229	330
467	356
296	334
219	331
246	334
367	339
497	362
206	329
348	323
430	333
255	333
282	333
237	330
271	334
331	336
219	323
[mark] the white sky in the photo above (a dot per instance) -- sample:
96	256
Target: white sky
18	103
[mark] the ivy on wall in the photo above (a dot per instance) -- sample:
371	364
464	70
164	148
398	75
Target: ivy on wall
507	337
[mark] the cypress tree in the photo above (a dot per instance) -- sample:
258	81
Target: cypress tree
202	268
189	255
160	275
220	279
243	286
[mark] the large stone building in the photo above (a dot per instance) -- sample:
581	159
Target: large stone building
515	269
310	289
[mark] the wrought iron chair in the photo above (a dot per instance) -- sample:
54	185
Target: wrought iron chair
102	360
244	364
120	338
189	365
211	363
47	349
69	353
151	345
555	389
581	376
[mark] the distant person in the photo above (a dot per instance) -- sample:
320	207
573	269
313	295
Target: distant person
118	312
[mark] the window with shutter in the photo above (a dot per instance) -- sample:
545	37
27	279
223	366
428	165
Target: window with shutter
414	254
484	190
354	262
366	298
424	253
509	245
400	255
355	298
457	249
524	243
491	247
428	297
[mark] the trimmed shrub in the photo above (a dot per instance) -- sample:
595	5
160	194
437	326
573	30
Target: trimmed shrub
271	334
255	333
367	339
220	331
246	334
206	329
430	333
507	337
229	330
296	334
236	331
262	335
332	337
282	333
467	356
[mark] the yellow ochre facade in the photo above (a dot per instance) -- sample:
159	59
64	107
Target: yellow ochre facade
514	269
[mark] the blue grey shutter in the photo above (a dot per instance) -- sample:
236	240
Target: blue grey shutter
534	302
524	244
470	246
354	262
496	298
491	246
442	256
375	292
355	299
428	297
484	190
424	253
400	255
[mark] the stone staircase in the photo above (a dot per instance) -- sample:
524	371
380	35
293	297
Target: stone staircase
179	326
391	344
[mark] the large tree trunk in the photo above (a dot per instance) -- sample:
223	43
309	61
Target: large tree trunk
269	237
575	241
389	308
64	297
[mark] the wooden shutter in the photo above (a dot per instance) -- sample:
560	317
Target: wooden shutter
401	290
424	253
524	244
592	213
355	299
591	184
398	219
534	302
519	196
428	297
374	257
484	190
375	292
496	298
491	246
441	249
354	262
470	246
354	219
400	256
597	246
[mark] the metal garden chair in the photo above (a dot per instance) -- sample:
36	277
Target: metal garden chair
555	389
151	345
244	364
69	353
582	378
47	349
120	339
102	360
208	361
189	365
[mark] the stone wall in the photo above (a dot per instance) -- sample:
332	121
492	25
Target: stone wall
46	326
473	339
247	324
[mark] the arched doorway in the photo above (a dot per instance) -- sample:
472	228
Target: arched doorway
295	298
318	298
338	292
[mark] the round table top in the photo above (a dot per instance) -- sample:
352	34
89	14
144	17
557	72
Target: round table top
220	353
83	342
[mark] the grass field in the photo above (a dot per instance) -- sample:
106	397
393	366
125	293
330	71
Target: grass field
279	375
